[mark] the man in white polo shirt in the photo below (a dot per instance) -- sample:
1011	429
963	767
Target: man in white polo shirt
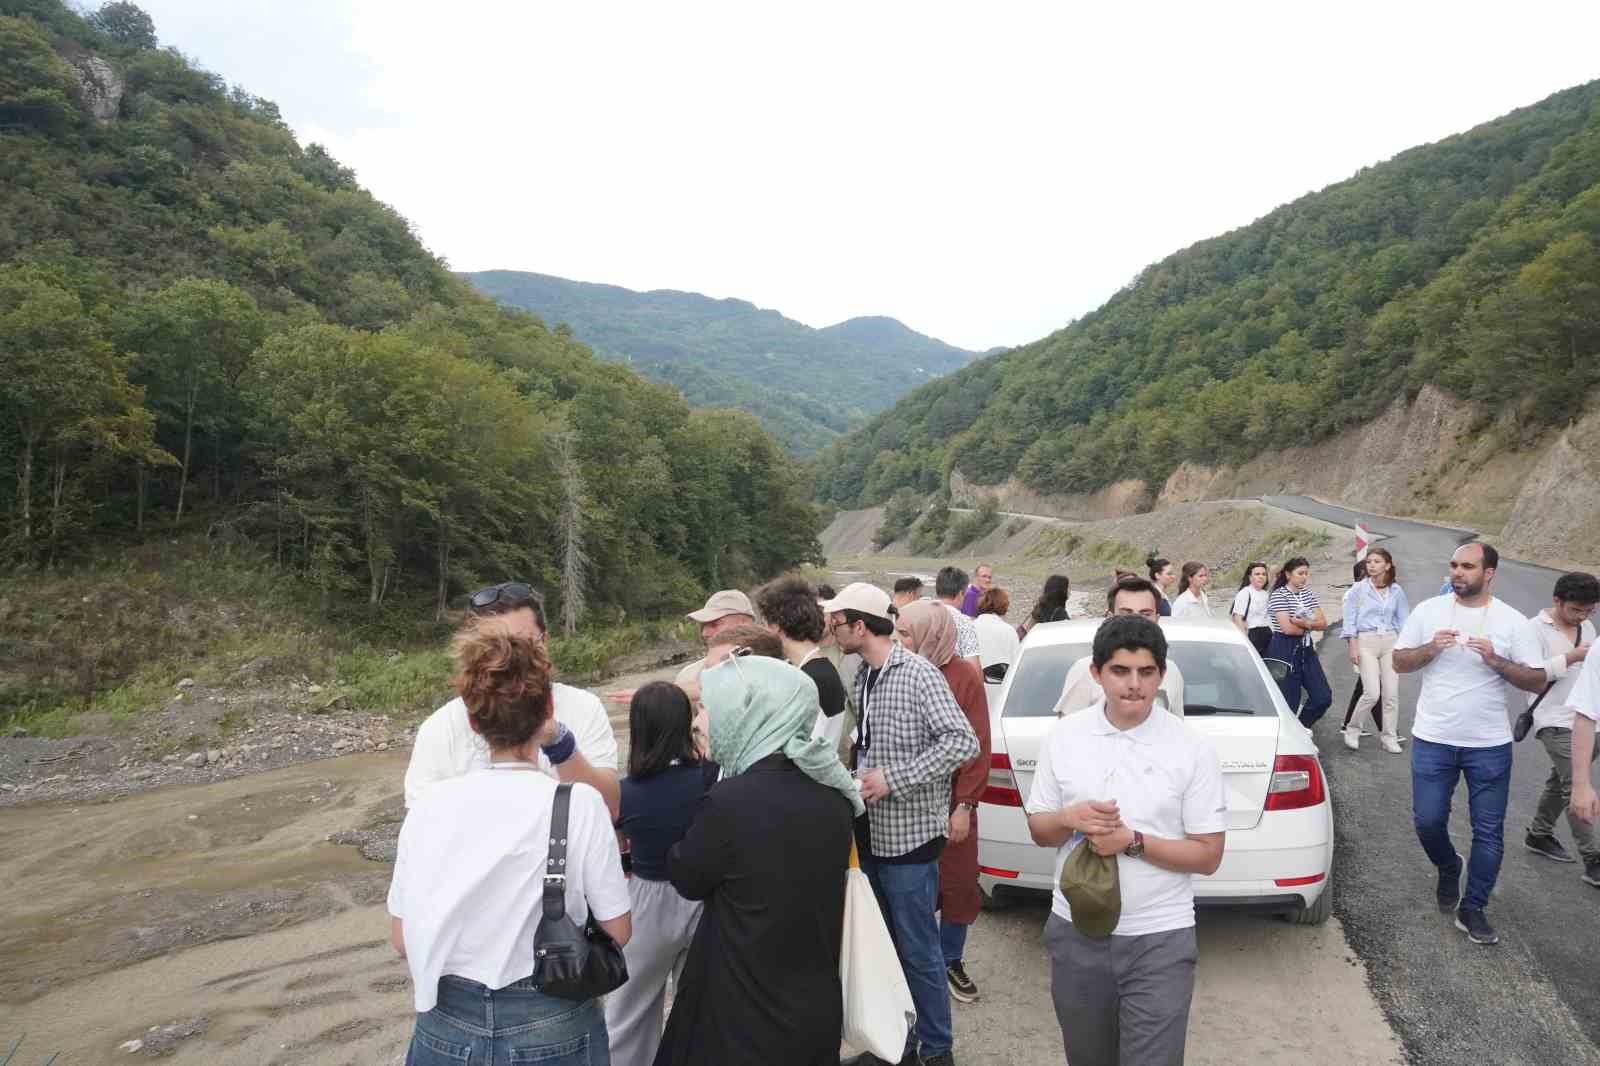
577	743
1137	783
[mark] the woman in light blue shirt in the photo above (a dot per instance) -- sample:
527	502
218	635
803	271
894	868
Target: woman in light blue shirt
1374	610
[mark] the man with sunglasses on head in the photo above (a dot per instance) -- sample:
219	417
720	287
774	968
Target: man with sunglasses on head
912	737
577	744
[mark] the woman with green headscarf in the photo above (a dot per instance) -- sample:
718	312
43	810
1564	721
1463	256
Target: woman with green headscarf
768	853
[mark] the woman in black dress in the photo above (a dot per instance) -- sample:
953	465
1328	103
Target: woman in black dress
767	853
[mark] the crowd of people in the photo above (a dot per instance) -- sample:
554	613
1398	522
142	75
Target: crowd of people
826	729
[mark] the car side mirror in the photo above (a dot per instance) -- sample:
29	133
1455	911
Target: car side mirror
1279	669
995	673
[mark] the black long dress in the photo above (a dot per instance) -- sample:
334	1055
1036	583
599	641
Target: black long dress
768	853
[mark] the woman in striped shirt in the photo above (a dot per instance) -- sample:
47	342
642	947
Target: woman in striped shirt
1294	614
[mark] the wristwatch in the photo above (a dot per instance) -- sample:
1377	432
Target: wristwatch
1136	849
968	805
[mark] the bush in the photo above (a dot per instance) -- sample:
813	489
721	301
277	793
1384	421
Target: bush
898	517
973	525
930	532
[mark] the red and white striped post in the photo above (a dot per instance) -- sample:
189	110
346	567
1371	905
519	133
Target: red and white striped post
1363	541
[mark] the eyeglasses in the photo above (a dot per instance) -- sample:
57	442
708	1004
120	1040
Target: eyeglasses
506	596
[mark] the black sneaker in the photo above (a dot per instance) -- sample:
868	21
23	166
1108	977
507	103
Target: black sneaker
961	986
1549	847
1470	920
1449	890
947	1059
1591	873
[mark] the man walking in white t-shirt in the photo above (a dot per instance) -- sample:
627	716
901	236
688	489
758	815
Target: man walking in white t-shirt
1136	783
1472	649
1585	703
576	744
1565	635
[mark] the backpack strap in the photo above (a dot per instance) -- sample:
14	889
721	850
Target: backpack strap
555	863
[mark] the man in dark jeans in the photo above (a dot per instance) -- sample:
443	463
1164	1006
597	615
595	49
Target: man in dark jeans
911	739
1472	649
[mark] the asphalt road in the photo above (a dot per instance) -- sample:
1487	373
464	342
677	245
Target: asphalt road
1533	998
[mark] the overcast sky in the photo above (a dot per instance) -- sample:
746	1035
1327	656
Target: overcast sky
983	172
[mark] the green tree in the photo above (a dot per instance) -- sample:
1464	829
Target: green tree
126	24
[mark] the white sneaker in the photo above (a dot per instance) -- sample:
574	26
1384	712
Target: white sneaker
1352	739
1390	745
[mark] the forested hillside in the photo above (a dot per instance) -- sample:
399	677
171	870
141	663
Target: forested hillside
205	326
805	385
1471	263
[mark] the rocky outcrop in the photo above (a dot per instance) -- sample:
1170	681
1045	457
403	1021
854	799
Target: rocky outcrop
1556	516
99	86
1114	501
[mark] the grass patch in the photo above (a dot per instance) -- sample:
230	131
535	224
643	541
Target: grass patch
1274	549
1052	543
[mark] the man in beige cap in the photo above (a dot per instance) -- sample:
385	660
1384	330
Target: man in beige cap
724	610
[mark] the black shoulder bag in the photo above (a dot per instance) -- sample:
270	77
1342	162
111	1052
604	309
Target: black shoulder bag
570	962
1525	719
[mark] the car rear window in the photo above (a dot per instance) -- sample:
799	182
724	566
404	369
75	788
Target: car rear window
1217	679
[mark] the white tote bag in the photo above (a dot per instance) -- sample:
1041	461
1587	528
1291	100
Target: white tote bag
878	1012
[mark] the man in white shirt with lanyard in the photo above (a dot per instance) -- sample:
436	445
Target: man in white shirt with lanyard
1565	636
576	744
1472	649
1134	782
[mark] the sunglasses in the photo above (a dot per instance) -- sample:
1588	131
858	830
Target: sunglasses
506	596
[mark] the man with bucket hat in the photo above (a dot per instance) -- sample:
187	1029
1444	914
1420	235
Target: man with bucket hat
1133	802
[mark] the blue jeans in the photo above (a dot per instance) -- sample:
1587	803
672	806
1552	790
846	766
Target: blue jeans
953	939
517	1023
1435	768
1305	674
909	896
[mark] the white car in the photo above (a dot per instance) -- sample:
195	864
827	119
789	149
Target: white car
1279	852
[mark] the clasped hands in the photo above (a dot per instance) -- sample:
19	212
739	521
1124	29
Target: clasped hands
1100	822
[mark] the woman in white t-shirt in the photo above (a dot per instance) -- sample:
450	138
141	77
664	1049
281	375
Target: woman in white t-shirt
997	640
1249	611
1191	602
468	884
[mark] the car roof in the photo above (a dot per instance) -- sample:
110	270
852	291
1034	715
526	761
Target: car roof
1187	630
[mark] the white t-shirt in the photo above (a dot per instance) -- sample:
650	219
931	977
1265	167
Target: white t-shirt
447	747
1251	605
1080	689
997	640
1463	702
1188	605
469	875
1553	643
1585	695
1167	781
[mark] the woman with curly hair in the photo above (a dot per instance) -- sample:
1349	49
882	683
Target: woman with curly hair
468	886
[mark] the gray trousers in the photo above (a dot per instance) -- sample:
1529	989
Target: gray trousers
1121	1000
664	924
1558	793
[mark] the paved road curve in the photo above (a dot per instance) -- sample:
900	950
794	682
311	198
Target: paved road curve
1534	998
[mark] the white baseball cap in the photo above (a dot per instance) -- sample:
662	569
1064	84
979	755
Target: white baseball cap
721	604
862	597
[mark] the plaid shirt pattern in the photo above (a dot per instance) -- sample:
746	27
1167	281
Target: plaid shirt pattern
919	737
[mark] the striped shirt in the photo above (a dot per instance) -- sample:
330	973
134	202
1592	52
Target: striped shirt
1302	604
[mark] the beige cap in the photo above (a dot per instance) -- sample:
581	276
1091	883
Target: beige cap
863	597
721	605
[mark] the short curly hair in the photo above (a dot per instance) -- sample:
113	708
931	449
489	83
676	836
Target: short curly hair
504	679
757	638
790	603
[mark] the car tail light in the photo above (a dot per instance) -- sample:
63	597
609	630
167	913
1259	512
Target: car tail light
1296	783
994	871
1002	787
1290	882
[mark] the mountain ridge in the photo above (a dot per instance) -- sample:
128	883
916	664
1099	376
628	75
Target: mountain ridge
806	385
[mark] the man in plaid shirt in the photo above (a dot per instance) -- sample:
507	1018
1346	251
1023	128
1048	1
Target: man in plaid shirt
911	739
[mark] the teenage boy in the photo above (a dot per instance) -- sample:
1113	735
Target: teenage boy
1565	635
912	738
1472	650
1128	780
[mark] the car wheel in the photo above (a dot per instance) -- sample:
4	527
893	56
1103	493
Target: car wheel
998	899
1317	913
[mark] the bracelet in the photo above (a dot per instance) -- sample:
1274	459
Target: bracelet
565	744
968	805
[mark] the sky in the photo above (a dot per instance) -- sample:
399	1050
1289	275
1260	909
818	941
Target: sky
983	172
